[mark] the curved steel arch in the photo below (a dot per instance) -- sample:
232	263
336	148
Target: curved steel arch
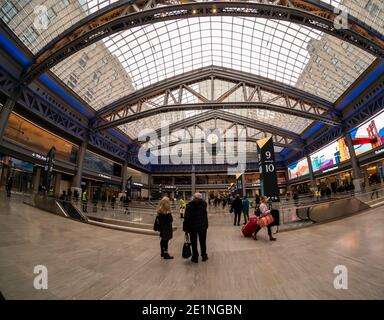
215	72
124	15
233	118
122	111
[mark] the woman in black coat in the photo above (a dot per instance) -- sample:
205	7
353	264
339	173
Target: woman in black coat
165	220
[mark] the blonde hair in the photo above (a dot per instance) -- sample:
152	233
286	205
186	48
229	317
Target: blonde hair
264	198
164	206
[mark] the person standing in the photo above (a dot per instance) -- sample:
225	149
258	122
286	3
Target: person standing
9	186
165	225
113	201
264	210
237	206
183	204
84	199
196	224
246	209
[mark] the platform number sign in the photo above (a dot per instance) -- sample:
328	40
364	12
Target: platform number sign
268	176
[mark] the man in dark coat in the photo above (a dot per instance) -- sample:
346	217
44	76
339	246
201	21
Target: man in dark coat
196	224
237	206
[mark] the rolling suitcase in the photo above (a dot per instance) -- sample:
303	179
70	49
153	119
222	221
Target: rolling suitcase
250	227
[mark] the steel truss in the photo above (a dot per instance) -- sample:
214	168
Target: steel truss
281	137
282	98
124	15
45	109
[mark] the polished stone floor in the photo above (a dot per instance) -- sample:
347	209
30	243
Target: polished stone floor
90	262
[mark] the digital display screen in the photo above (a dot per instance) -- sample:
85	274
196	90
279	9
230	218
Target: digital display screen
298	169
331	155
369	135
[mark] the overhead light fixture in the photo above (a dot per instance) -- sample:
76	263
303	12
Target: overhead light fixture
214	10
194	11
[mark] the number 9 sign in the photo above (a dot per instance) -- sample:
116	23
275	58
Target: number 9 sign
268	154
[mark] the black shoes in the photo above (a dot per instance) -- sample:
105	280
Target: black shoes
205	258
167	256
195	260
272	238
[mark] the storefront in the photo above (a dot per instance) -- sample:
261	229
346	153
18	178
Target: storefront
20	171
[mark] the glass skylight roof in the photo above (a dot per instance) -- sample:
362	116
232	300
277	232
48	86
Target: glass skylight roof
116	66
273	49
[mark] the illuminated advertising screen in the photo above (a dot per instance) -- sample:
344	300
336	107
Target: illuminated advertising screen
330	156
298	169
369	135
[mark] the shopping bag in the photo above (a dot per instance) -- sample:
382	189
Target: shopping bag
187	251
156	225
265	221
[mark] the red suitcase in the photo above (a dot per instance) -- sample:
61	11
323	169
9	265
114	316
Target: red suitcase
250	227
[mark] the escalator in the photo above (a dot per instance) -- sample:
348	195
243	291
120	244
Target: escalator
71	211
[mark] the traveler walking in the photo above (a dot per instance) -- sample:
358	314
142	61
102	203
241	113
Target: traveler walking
246	209
264	210
165	226
237	207
196	224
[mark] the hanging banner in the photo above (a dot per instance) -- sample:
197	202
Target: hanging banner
48	168
268	176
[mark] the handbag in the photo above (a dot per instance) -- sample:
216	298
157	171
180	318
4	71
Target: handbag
266	220
156	225
187	252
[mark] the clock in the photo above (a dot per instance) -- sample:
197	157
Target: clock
212	141
212	138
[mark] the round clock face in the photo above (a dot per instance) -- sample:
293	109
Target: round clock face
212	138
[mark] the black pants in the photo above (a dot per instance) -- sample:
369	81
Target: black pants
269	228
237	217
202	239
164	246
84	206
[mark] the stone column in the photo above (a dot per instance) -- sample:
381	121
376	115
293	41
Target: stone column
173	184
56	187
193	178
36	179
312	185
76	184
356	171
149	185
124	176
7	110
243	183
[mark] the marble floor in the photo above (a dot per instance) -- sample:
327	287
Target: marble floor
90	262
